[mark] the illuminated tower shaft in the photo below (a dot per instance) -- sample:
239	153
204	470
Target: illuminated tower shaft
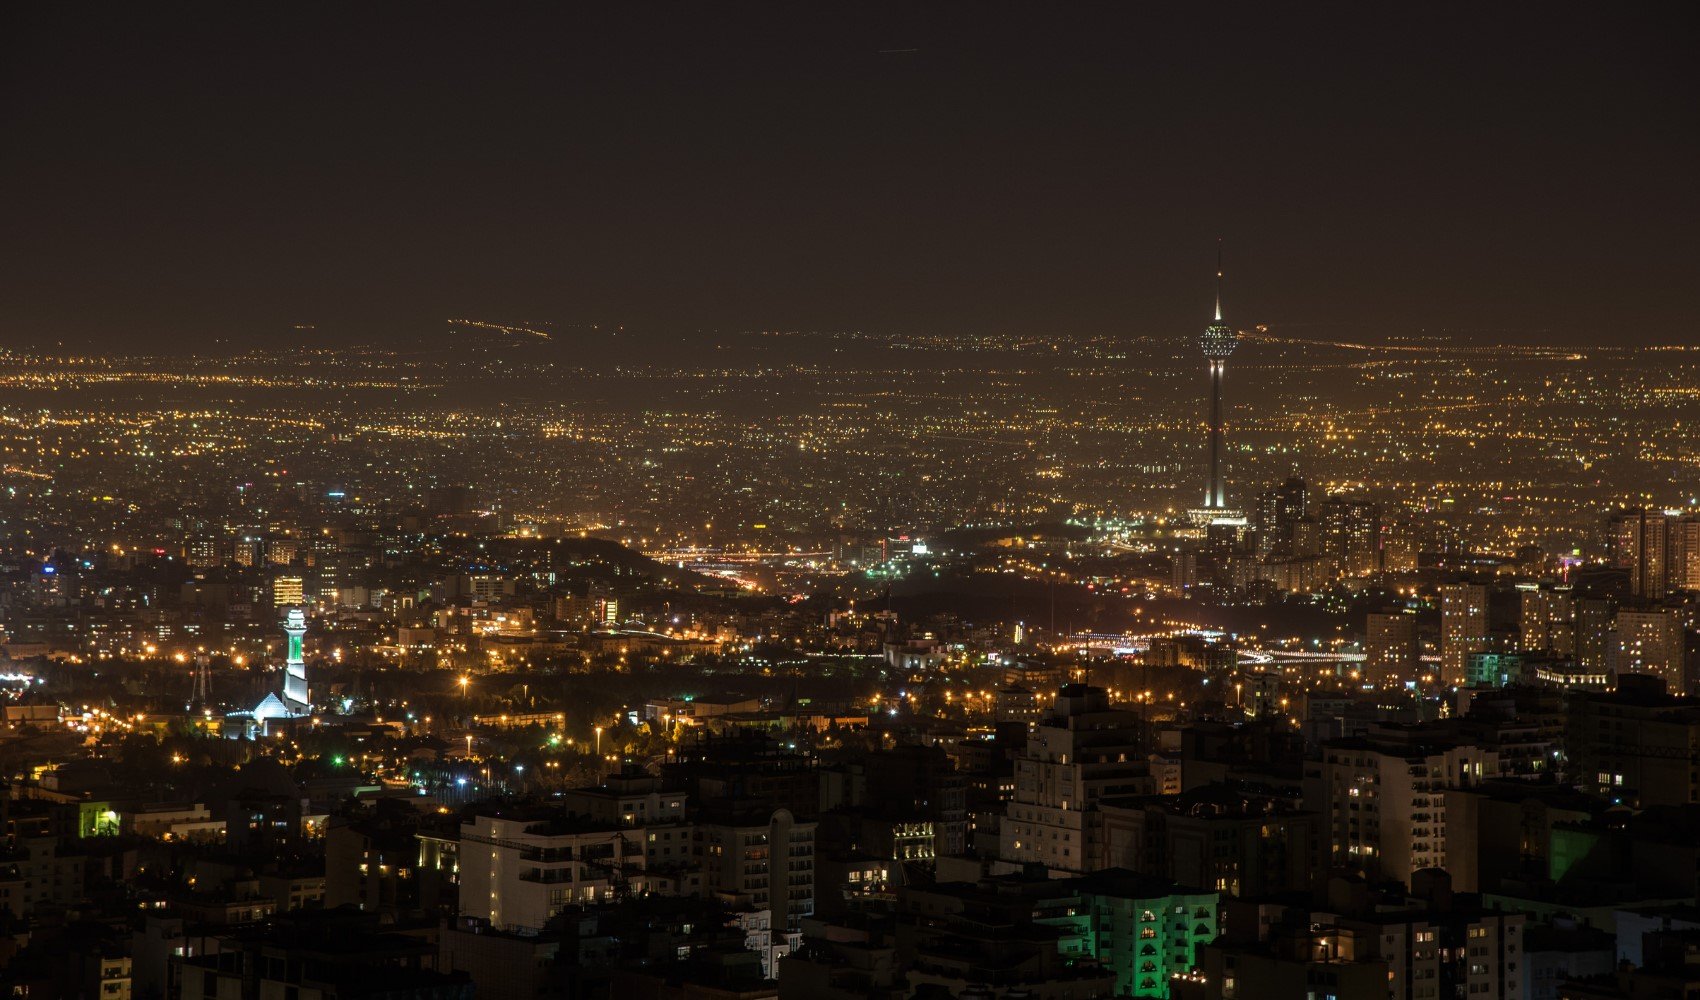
1218	341
1215	494
295	664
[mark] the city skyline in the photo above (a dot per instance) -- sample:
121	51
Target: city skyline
636	501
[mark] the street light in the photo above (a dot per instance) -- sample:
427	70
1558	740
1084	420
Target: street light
599	741
464	681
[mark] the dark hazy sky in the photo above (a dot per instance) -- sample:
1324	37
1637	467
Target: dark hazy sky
171	174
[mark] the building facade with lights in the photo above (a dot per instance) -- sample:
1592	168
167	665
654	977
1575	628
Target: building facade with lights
1083	752
1386	800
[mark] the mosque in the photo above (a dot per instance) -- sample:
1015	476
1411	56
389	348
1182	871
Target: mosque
293	702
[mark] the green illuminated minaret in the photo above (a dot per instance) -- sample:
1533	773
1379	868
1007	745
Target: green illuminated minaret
295	665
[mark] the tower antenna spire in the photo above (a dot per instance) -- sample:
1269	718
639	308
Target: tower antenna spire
1218	279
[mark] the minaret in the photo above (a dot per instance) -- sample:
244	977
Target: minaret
202	695
295	665
1218	341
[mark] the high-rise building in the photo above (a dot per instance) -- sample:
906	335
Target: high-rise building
1084	751
1639	542
1634	744
1449	953
1217	342
249	551
1493	669
1215	836
1390	646
1282	528
204	551
1291	502
1145	932
1186	569
485	586
521	867
1594	617
1546	618
288	591
1463	627
1386	799
1306	538
1351	535
1684	563
1651	641
760	858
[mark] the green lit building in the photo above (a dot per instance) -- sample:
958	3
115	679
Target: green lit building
98	819
1493	669
1111	933
1143	929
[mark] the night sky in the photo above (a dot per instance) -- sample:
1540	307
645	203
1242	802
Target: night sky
212	176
